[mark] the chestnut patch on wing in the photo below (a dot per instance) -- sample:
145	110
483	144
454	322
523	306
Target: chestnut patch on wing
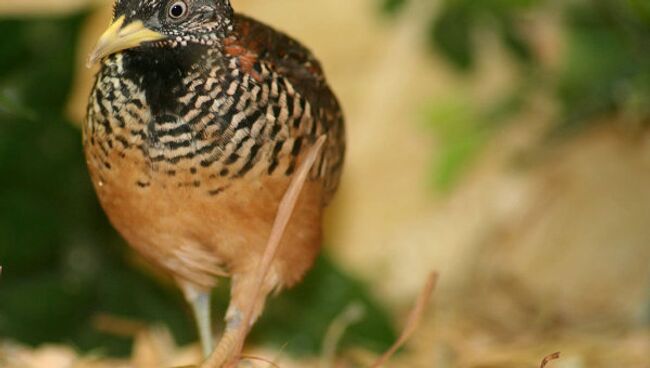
246	57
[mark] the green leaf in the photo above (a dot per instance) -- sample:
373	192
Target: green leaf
642	10
514	41
451	32
393	6
597	66
9	107
461	133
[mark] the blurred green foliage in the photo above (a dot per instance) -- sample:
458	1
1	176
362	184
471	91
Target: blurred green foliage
604	67
64	264
454	30
461	134
462	130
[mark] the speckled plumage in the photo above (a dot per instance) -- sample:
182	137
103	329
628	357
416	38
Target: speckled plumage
192	141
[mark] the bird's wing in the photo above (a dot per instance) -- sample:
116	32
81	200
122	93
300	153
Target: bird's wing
255	42
258	42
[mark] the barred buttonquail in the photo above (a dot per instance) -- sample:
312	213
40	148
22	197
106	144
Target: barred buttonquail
196	123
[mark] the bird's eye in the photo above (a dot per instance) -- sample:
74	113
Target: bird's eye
177	10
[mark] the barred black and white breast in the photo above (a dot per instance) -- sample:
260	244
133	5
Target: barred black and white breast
248	106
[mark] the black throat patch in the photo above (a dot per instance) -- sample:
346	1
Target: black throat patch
160	73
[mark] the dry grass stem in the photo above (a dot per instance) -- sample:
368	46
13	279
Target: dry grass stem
413	321
351	315
285	210
549	358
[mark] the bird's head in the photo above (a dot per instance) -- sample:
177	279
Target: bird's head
164	23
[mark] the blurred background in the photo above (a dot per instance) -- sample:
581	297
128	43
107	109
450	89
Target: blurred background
503	143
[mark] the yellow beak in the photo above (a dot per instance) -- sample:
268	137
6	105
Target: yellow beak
118	38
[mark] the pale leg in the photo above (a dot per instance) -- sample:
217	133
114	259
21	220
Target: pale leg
200	302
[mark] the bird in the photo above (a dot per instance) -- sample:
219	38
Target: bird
197	121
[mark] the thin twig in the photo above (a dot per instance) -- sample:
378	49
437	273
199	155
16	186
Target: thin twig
285	210
413	321
352	314
549	358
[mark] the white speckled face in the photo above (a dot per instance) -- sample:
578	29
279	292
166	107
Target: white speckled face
183	22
